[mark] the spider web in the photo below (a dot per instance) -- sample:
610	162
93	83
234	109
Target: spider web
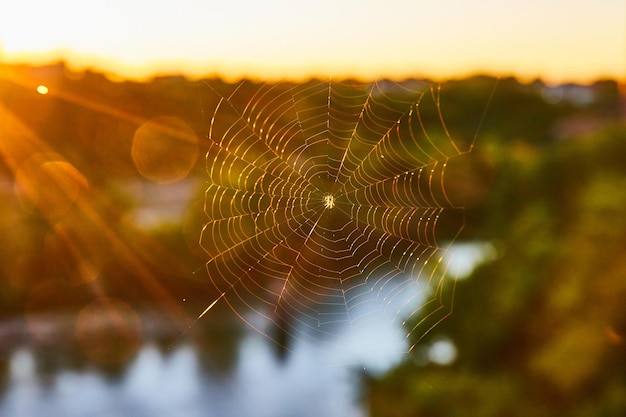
325	204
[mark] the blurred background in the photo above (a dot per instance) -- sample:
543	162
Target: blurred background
102	277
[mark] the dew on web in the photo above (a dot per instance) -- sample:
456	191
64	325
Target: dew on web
325	205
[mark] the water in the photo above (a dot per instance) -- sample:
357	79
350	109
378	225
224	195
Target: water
176	383
194	377
179	380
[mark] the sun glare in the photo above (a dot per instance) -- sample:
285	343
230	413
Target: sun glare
42	89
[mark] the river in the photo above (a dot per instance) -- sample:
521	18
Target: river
175	380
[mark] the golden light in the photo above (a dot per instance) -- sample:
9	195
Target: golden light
50	184
273	39
164	149
42	89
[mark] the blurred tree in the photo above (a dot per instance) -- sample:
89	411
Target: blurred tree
540	331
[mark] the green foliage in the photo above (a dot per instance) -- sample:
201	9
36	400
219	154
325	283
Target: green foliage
541	330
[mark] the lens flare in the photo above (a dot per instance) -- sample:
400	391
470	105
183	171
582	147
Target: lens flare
165	149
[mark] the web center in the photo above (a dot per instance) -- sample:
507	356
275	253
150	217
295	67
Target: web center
329	201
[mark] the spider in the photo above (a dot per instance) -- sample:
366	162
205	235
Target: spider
329	201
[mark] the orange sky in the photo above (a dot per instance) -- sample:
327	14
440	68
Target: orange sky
557	40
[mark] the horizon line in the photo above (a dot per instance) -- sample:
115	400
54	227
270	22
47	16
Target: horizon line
290	76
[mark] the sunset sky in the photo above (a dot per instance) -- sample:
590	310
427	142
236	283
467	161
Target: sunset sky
557	40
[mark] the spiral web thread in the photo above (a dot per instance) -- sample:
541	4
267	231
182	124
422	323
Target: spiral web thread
324	204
